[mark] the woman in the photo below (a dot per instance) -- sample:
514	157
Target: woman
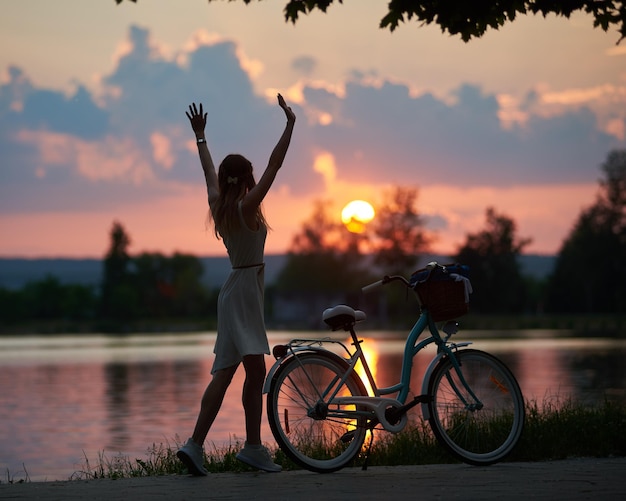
235	207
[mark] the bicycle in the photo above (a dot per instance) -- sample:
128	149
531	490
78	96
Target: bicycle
319	409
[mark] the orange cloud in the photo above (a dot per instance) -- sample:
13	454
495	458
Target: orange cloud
324	164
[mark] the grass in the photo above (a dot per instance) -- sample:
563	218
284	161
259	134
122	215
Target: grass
572	430
10	478
160	460
554	430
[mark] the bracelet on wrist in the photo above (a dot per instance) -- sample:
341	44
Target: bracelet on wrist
200	140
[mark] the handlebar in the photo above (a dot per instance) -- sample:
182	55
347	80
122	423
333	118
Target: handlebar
385	280
371	287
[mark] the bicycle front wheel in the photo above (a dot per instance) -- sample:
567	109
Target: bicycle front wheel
314	432
480	434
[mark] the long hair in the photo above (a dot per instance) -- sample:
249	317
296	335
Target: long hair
235	179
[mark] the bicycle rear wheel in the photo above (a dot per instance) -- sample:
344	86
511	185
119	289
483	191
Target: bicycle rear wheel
315	433
476	435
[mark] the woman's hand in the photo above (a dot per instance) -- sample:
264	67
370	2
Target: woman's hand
197	119
291	116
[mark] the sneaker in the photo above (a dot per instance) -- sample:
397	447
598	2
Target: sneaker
192	456
258	456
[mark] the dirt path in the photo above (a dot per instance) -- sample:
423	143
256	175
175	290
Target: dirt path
574	479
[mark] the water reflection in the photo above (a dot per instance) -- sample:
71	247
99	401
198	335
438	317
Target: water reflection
64	399
549	371
371	351
117	405
585	370
160	398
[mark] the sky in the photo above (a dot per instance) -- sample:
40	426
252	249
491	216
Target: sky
93	130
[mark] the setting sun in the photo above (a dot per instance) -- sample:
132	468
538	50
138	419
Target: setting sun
356	214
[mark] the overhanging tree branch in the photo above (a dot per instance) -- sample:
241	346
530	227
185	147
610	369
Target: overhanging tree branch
471	19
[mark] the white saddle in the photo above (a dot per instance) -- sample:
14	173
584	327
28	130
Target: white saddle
342	317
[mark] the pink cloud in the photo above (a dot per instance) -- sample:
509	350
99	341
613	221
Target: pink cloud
110	158
162	150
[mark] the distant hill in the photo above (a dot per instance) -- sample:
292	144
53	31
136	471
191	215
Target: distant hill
537	265
15	272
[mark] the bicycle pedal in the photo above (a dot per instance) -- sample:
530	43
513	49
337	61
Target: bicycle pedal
347	437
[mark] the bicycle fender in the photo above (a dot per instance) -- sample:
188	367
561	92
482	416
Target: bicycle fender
295	351
429	372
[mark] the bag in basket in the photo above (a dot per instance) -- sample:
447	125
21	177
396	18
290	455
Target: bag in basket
443	290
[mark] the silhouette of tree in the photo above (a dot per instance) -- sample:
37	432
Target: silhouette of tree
321	258
590	272
13	308
190	297
48	299
44	298
473	19
323	267
119	299
147	286
327	263
399	234
325	256
495	274
169	286
320	233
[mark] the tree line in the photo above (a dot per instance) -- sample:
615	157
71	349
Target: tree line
326	263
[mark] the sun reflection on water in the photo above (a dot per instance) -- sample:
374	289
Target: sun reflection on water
371	352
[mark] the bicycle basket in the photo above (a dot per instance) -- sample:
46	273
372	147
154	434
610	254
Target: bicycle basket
443	290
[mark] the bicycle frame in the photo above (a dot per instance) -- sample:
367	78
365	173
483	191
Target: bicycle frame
321	407
377	403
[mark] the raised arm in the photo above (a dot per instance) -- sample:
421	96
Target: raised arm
198	122
256	195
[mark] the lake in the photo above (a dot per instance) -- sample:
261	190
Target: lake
65	400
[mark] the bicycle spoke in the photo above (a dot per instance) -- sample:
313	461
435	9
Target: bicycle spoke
480	434
318	435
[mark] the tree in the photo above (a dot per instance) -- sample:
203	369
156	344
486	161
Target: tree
326	262
149	285
169	286
590	272
492	256
322	259
326	257
48	299
323	267
119	299
189	296
14	308
471	19
319	234
398	231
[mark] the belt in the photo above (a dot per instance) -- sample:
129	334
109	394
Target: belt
248	266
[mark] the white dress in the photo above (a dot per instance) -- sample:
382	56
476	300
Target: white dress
240	316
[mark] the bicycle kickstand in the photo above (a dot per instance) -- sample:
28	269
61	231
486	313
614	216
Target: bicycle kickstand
369	450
